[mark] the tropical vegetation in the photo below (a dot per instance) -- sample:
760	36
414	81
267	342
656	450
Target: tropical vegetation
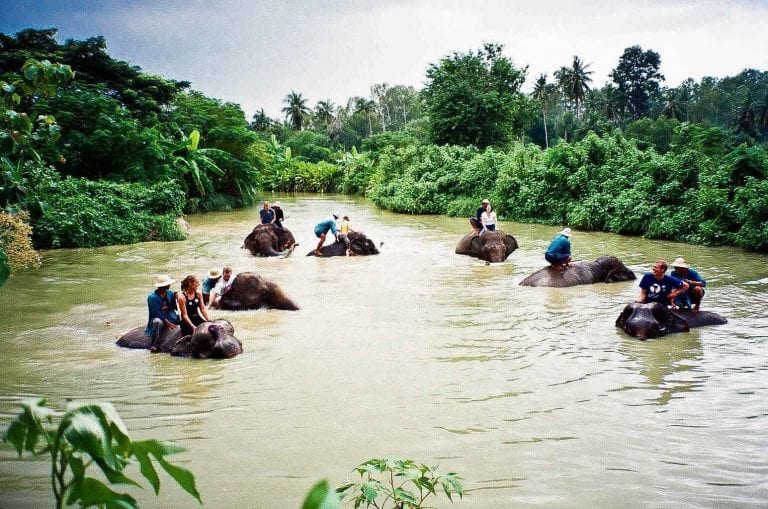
632	156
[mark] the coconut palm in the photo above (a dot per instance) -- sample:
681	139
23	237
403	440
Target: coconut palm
368	108
574	82
544	93
296	110
260	121
324	112
674	105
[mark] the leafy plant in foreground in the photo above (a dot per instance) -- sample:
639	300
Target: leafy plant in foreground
398	484
88	434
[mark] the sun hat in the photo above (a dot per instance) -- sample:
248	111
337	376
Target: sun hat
566	232
680	262
486	201
276	204
163	280
214	273
336	215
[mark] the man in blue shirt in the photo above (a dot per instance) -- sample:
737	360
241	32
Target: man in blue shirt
322	228
558	253
692	298
162	311
266	214
657	286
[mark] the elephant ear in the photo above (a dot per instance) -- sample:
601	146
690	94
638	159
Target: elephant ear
622	319
511	244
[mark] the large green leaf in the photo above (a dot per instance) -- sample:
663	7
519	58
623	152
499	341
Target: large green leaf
92	492
321	496
159	450
26	429
194	140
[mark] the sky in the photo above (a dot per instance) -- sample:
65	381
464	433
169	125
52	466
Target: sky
255	52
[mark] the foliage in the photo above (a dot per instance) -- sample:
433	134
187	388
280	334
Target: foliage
321	496
92	435
399	484
86	213
474	98
296	109
16	241
637	77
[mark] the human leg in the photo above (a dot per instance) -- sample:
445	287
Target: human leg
157	329
697	293
321	236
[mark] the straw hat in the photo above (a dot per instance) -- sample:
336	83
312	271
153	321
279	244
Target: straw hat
277	204
485	201
214	273
680	262
164	280
566	232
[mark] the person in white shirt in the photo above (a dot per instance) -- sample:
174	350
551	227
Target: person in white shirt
227	277
488	218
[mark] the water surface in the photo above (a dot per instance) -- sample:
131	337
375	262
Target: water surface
530	394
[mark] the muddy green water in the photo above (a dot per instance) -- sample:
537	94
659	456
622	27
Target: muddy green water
530	394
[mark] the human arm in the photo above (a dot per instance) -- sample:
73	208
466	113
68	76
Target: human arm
203	307
183	310
155	305
642	295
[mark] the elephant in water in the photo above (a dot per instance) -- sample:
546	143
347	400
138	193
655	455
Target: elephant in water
250	291
652	320
210	340
269	240
493	246
359	244
606	269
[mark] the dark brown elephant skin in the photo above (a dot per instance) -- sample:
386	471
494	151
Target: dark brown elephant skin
269	240
606	269
493	247
250	291
645	321
203	343
359	244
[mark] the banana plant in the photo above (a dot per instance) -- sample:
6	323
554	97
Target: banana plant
194	163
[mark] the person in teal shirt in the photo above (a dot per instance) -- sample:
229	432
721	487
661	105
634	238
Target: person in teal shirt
558	253
696	284
162	311
322	228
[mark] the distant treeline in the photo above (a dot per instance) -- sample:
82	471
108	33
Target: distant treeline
97	152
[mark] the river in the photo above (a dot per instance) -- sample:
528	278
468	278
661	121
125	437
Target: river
532	395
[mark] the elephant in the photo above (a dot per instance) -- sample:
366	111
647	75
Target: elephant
213	340
606	269
269	240
644	321
493	246
250	291
359	244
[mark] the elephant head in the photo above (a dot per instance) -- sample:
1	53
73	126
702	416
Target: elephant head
250	291
651	320
359	244
210	340
268	240
609	269
490	246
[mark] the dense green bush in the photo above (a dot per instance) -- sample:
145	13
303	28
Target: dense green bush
85	213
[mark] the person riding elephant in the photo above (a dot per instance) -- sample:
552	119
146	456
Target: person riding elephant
269	240
250	291
606	269
477	222
204	342
321	230
558	253
651	320
163	315
491	246
657	286
691	299
359	245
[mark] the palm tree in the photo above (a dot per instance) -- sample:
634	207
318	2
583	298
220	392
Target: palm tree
368	108
324	111
260	121
574	82
543	92
674	105
296	110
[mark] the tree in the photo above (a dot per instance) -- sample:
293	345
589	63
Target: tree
574	82
368	108
260	121
474	98
638	79
324	111
544	92
296	109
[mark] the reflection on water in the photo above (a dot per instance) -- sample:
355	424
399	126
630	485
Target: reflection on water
531	394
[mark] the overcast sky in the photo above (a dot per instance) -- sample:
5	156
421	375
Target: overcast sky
255	52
